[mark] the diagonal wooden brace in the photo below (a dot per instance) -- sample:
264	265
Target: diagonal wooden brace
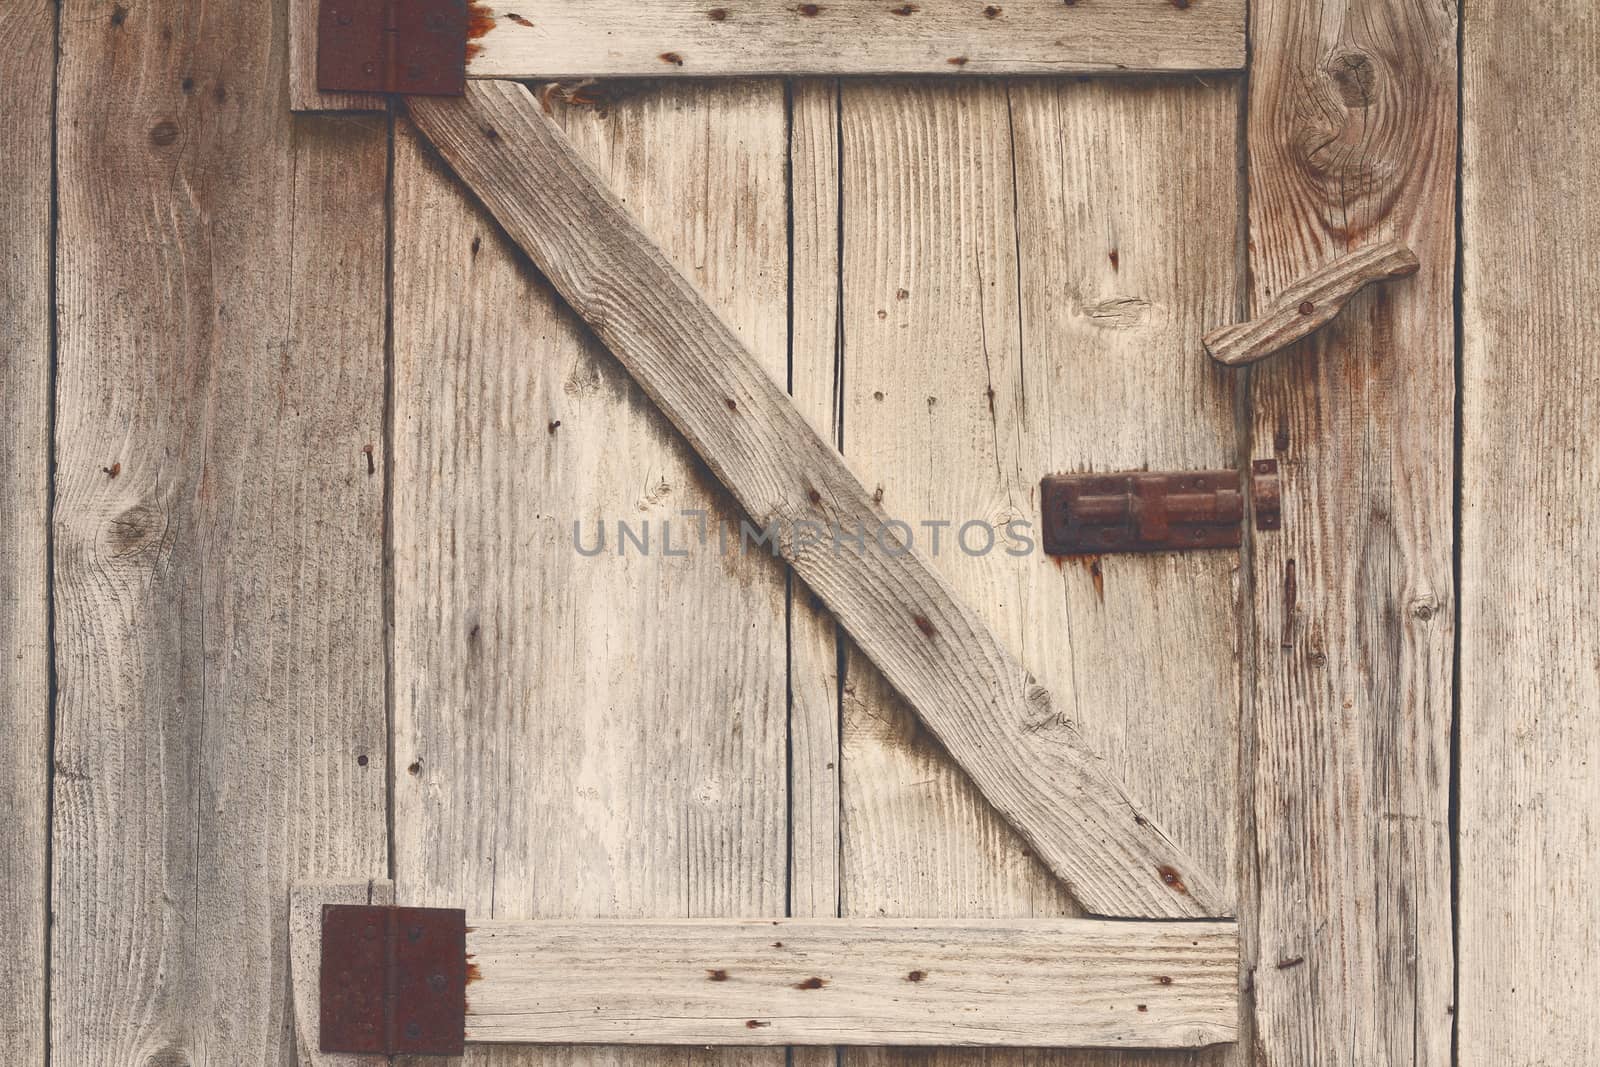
987	710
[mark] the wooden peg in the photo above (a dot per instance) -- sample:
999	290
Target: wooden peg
1309	304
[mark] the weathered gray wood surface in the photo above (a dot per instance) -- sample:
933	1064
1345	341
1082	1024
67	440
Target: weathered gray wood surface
576	736
1026	982
996	720
1352	140
1018	300
27	82
815	639
218	530
1529	819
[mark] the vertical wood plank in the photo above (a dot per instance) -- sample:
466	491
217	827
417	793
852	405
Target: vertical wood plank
1128	222
585	736
218	529
27	80
1530	741
814	635
1027	271
815	638
1352	137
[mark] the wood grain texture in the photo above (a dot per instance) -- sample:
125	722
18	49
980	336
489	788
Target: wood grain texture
1529	818
27	80
1045	982
1310	303
1352	137
218	529
306	900
814	636
995	719
688	38
815	639
1019	299
584	736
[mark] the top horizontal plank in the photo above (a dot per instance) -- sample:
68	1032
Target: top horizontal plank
564	39
710	38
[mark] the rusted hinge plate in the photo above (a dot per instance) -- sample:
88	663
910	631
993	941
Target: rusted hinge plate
1152	511
392	46
394	980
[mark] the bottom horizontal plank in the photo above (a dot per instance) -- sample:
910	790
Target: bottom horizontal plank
1018	982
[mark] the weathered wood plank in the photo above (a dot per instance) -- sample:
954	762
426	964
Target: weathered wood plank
814	637
584	736
815	640
306	900
218	528
1310	303
1530	739
27	82
1020	299
1030	982
690	38
1128	224
983	705
1352	135
541	39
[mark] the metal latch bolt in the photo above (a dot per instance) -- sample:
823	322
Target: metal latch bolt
1151	511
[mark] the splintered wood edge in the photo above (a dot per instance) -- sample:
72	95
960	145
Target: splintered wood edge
305	961
1004	729
1020	983
1310	303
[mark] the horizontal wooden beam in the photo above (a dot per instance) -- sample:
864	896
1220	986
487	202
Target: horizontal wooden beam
701	38
1022	751
559	39
1005	982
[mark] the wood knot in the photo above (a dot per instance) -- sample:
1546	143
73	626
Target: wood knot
1355	75
135	529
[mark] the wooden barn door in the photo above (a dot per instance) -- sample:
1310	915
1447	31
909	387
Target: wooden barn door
299	439
965	287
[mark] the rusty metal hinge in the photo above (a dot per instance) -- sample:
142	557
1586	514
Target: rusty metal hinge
392	46
393	980
1154	511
